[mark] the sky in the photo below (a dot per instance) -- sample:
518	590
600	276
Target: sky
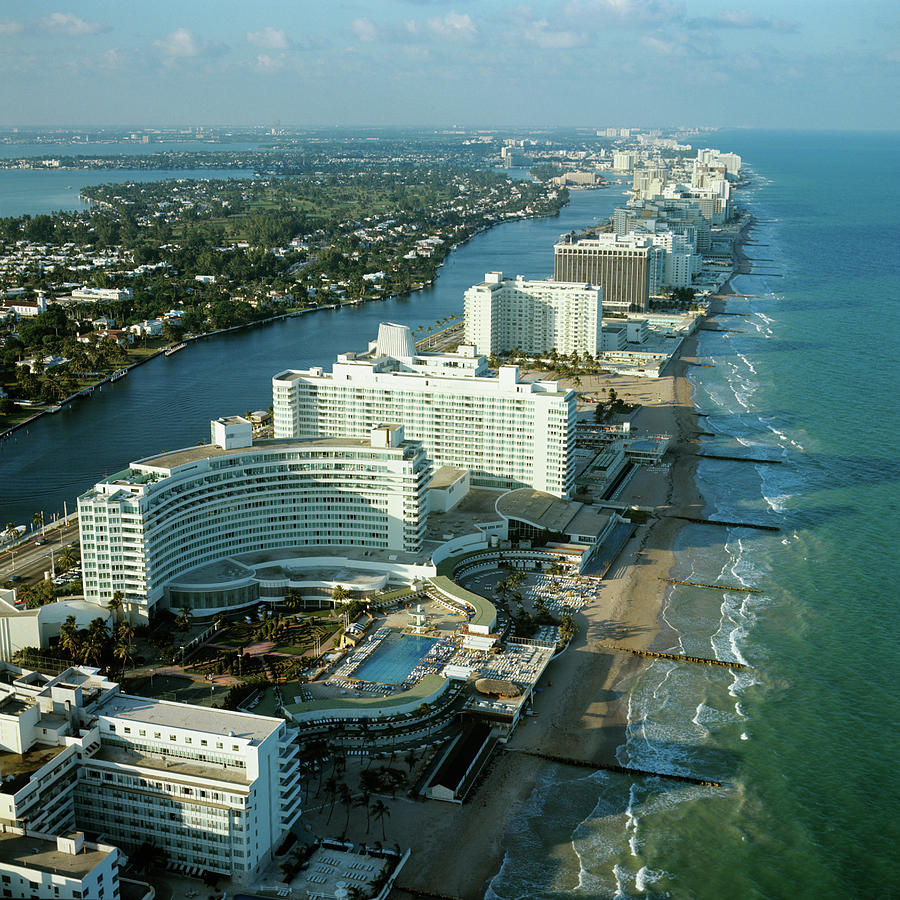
829	64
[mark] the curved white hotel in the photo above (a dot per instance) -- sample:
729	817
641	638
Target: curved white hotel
163	516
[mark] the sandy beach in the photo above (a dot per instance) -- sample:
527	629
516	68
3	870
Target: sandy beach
457	850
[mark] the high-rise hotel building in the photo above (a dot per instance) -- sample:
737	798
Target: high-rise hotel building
502	314
146	526
215	790
508	434
627	268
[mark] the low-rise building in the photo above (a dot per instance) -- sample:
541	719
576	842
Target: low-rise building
95	294
65	866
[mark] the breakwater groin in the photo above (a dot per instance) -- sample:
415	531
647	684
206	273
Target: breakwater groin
612	767
678	657
717	587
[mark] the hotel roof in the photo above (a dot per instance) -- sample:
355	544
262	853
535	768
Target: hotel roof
552	513
40	853
218	722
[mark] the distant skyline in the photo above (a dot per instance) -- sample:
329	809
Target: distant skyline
438	63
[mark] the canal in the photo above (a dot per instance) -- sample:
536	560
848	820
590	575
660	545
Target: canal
168	402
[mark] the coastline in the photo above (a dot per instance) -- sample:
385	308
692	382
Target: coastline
580	713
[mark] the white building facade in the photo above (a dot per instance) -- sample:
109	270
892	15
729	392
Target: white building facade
214	789
163	516
506	433
534	316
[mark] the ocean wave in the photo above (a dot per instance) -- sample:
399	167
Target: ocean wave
749	364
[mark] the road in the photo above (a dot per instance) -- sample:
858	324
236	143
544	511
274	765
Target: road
29	561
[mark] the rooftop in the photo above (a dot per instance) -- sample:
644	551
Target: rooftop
552	513
173	767
173	458
419	691
17	768
445	476
192	718
41	853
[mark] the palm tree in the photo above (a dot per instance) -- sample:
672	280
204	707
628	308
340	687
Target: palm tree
95	642
346	799
379	811
69	638
37	520
10	529
362	801
122	650
184	618
67	558
116	604
331	791
339	595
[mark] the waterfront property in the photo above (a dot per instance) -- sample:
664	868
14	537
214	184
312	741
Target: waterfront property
167	515
627	268
503	314
216	790
506	433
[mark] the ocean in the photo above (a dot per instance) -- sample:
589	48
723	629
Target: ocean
805	739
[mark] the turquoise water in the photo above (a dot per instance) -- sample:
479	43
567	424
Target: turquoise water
806	738
394	658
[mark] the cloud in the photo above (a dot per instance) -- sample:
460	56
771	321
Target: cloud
538	32
740	18
268	38
454	27
67	23
365	30
183	44
624	12
7	28
267	63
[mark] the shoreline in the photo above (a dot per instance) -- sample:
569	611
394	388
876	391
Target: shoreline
579	712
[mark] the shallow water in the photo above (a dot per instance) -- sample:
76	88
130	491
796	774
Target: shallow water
802	737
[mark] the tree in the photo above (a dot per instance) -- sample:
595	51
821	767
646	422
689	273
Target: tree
339	595
184	618
124	643
362	801
95	643
331	791
116	604
346	799
69	638
379	811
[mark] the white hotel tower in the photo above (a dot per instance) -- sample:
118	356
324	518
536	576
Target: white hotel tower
534	316
164	516
215	790
506	433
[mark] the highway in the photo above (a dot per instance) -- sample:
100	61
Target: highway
29	561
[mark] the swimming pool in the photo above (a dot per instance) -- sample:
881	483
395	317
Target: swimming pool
394	658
